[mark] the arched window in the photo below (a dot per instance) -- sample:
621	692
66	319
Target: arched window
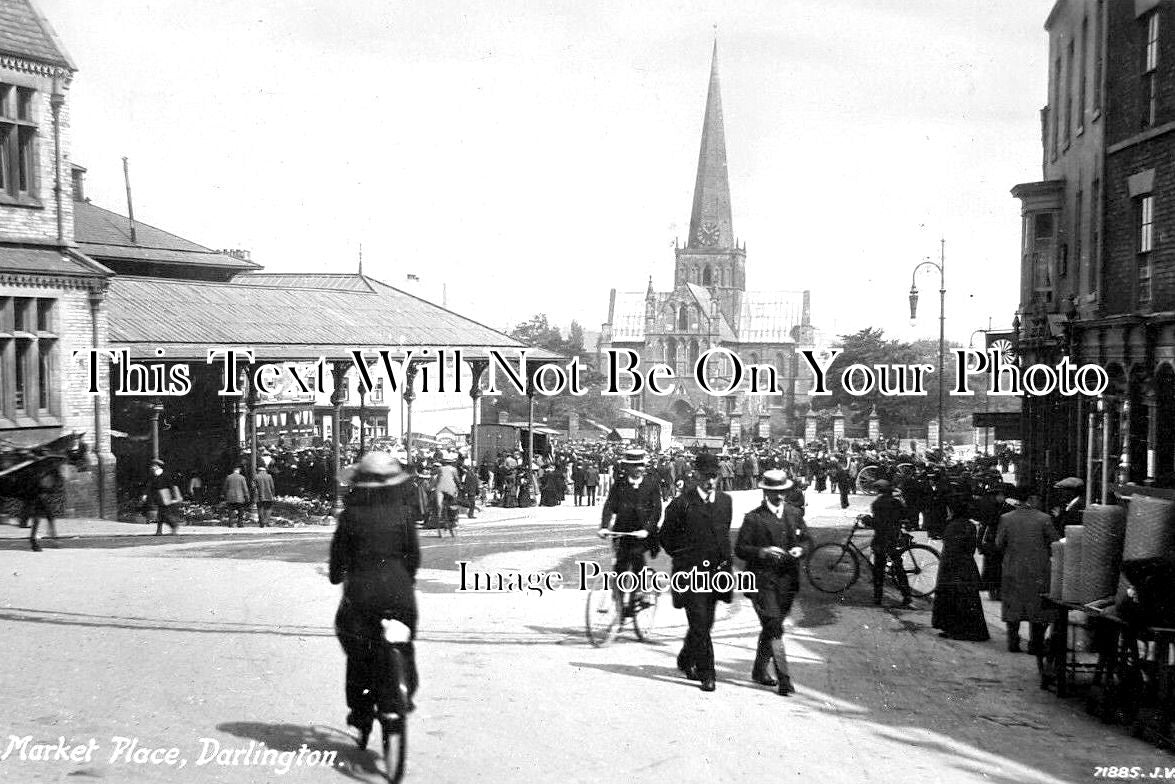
707	276
721	277
693	353
671	353
683	318
754	358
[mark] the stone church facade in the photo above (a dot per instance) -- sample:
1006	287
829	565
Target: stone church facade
710	307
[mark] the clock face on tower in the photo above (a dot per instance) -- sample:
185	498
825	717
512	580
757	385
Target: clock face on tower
708	233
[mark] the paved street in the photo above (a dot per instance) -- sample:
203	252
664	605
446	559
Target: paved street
218	641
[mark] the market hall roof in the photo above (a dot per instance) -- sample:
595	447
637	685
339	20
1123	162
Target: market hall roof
42	260
105	235
187	318
26	33
315	280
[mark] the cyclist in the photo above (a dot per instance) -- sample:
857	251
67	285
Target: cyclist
888	513
375	555
633	504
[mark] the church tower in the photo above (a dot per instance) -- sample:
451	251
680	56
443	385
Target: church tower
712	257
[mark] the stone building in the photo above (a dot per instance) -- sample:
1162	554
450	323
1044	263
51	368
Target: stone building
710	306
52	296
1098	259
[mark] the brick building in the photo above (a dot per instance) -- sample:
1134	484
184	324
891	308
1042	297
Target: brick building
1098	263
52	296
709	307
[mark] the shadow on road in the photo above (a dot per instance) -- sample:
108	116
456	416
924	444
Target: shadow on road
351	762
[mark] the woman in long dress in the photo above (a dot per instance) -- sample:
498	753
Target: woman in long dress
958	611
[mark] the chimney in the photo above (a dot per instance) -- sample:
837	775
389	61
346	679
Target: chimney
78	173
237	253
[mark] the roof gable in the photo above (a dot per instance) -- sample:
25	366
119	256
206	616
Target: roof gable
25	32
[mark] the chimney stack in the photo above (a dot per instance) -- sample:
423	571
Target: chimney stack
78	173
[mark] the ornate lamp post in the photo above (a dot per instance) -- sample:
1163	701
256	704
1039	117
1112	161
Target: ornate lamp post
942	299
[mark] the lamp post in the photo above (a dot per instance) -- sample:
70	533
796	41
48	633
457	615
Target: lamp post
942	300
986	395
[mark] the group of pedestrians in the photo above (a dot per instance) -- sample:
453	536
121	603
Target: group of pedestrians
695	533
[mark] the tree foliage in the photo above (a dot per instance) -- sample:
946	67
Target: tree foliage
870	347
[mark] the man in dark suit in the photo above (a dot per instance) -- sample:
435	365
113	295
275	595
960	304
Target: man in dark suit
771	541
633	504
263	491
888	513
696	533
591	480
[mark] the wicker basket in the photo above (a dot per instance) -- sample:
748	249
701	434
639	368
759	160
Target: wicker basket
1101	551
1056	571
1072	587
1150	528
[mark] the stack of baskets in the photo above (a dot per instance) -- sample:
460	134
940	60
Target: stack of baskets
1087	563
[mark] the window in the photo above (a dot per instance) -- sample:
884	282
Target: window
707	276
1081	80
1097	55
377	394
18	139
683	319
1150	65
28	349
1078	226
1069	61
1094	236
1146	213
1044	246
1054	107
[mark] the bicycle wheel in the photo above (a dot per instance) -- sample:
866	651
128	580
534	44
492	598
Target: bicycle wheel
920	563
866	478
644	614
832	567
395	726
602	616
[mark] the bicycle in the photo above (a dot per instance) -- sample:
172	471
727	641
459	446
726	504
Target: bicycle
834	567
608	609
394	726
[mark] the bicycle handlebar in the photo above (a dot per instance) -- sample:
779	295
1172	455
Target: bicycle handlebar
641	534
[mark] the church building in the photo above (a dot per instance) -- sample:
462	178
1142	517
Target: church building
711	307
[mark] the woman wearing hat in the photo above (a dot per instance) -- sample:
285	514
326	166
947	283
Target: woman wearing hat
771	541
375	555
958	611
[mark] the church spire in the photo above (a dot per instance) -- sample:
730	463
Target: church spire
710	224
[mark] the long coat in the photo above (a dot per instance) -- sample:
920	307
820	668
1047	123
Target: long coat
236	489
697	536
777	580
1024	536
958	610
263	485
375	553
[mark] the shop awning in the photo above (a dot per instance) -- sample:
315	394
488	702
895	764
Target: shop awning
665	425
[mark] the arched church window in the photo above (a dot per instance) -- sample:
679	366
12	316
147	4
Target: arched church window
693	353
707	276
754	358
671	353
683	318
721	277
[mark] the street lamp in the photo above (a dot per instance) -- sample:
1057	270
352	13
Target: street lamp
942	300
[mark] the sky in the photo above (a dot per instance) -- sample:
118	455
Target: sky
523	158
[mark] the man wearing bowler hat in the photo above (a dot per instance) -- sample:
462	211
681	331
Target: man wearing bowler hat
696	533
771	541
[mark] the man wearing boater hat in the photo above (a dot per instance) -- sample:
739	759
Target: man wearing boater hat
633	504
697	534
771	541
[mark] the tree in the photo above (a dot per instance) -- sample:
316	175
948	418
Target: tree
871	348
538	332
